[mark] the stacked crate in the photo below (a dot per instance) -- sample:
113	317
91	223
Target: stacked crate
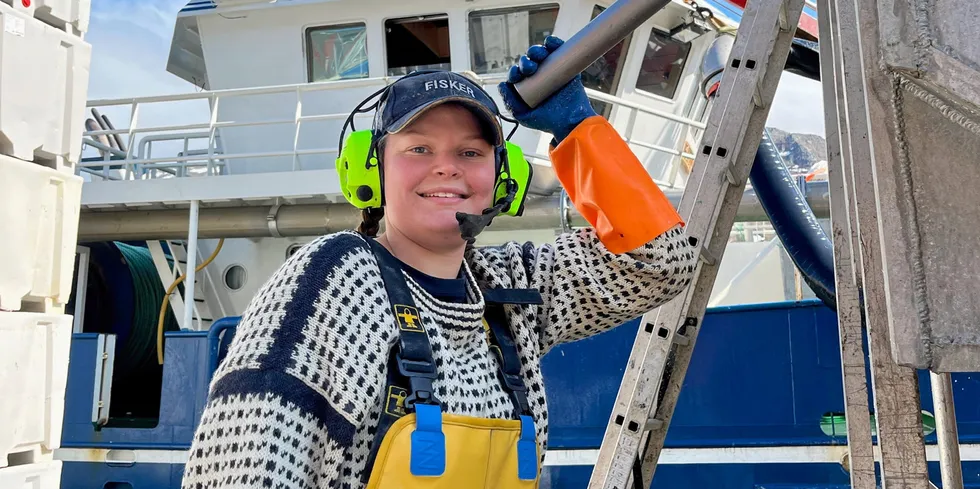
44	72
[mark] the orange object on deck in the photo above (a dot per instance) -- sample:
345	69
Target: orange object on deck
610	188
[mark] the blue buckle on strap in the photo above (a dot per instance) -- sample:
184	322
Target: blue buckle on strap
527	453
428	456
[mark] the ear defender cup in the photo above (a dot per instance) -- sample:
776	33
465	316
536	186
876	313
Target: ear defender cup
360	178
516	171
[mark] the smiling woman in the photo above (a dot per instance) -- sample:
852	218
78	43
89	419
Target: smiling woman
443	163
384	361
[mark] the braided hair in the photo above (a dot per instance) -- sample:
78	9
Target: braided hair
371	221
371	217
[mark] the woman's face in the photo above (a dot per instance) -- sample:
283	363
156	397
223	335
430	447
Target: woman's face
437	166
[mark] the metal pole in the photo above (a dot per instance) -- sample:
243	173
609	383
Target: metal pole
316	219
587	45
81	287
946	433
191	263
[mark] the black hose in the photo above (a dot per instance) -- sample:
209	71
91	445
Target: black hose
805	241
804	59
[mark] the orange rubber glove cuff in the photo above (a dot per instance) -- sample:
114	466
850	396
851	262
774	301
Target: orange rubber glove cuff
610	188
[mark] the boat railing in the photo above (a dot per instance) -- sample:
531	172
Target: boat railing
164	149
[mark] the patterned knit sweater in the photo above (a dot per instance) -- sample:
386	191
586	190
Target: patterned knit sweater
296	401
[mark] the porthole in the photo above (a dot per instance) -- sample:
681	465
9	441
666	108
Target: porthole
235	277
292	249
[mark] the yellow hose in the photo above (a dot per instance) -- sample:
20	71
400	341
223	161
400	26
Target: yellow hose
170	290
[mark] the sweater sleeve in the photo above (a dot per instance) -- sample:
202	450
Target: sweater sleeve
587	289
262	428
280	410
634	258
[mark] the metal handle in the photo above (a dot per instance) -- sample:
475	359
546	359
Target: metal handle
587	45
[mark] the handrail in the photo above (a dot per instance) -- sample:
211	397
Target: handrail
646	110
143	137
233	92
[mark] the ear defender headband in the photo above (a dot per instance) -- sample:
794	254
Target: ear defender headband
361	170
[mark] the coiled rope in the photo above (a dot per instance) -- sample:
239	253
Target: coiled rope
137	353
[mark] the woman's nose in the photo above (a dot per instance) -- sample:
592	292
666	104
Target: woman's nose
446	165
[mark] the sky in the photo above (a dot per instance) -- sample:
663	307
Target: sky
131	41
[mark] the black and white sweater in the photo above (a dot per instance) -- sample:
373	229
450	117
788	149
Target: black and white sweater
296	401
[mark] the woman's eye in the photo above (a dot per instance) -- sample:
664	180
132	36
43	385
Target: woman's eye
417	149
471	154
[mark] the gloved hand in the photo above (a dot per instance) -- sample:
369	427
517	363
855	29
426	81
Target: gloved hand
560	113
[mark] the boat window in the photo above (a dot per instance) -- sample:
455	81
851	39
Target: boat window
336	52
417	43
499	37
663	64
604	73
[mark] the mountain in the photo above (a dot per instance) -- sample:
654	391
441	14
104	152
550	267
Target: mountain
799	150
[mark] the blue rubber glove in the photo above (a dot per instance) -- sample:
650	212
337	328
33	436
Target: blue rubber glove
560	113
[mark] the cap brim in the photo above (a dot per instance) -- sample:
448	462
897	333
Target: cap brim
478	110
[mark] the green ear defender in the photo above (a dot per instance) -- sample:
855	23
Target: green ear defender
360	178
518	170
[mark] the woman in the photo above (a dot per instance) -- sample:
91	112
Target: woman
388	361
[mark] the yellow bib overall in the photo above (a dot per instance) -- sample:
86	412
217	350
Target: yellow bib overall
417	445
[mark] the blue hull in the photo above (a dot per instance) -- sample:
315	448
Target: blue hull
761	376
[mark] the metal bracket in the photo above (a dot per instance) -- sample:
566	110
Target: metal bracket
270	220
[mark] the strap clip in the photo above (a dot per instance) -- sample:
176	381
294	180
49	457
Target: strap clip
519	391
420	374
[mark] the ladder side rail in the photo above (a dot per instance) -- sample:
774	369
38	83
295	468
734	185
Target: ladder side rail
860	455
717	173
167	275
771	43
895	388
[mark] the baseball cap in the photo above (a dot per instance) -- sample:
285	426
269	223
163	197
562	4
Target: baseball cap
412	95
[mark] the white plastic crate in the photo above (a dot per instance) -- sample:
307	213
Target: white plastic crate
69	15
46	475
44	76
33	374
39	218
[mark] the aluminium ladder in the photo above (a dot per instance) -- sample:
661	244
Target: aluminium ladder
656	367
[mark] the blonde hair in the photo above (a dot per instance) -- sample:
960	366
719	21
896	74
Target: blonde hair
472	76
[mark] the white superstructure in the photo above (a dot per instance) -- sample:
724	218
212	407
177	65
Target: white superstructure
255	148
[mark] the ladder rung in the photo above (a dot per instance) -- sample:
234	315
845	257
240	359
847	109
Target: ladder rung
707	257
653	424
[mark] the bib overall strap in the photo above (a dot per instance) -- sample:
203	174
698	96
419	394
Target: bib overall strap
413	361
502	341
414	357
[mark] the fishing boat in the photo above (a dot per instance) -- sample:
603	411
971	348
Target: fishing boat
217	187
